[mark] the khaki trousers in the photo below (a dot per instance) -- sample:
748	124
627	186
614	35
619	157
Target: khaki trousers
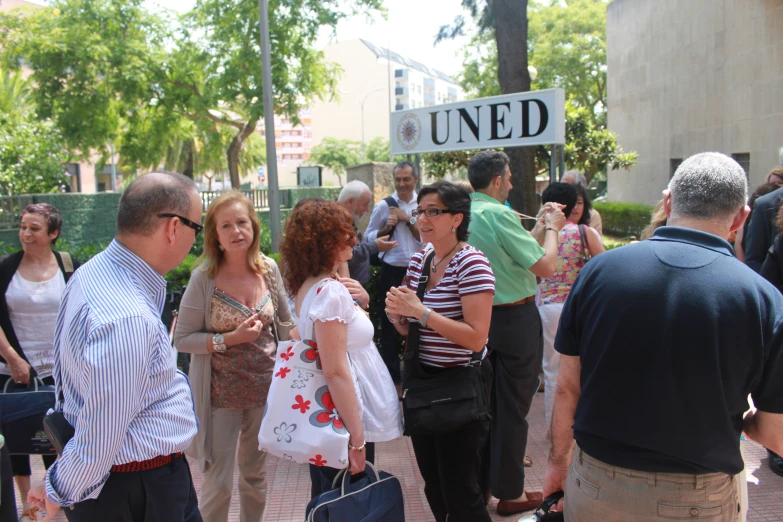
596	491
229	427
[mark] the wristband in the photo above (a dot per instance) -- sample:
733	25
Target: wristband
423	321
553	229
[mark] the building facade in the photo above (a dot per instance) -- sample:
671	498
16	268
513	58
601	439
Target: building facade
689	77
374	82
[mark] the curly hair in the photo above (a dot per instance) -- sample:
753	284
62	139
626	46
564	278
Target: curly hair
315	232
212	255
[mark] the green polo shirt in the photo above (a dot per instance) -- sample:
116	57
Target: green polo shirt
511	250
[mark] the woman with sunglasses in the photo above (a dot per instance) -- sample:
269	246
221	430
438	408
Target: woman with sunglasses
454	324
231	313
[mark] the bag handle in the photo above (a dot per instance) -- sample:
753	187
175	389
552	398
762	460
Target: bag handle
585	243
34	382
344	477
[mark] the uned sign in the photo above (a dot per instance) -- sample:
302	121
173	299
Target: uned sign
512	120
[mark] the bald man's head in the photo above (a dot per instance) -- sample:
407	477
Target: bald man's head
150	195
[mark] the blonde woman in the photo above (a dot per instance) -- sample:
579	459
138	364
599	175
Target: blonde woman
227	321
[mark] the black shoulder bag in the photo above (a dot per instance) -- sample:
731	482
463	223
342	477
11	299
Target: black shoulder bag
435	400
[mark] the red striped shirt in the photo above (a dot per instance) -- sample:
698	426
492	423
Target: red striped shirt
468	272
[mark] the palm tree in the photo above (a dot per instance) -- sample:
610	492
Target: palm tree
15	92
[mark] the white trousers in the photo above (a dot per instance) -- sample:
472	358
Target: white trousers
550	316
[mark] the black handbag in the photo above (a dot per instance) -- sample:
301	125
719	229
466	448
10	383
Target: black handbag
437	401
22	410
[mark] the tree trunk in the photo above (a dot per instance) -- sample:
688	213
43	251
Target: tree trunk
510	23
189	167
235	149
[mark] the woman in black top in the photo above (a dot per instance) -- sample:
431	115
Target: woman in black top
31	294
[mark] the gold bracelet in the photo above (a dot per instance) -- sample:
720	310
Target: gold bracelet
357	448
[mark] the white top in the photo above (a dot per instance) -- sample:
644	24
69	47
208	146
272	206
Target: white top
379	406
407	245
33	309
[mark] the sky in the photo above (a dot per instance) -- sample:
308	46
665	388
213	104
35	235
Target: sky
410	30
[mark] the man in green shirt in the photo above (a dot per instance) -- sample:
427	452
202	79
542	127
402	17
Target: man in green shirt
515	342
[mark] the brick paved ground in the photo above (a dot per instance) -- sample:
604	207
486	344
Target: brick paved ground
289	484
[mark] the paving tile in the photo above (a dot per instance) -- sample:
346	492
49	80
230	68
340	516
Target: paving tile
289	484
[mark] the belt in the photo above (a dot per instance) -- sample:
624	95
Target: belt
520	302
145	465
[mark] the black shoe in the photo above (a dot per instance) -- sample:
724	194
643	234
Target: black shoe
775	463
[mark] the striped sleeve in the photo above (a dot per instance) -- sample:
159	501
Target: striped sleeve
115	380
474	275
415	267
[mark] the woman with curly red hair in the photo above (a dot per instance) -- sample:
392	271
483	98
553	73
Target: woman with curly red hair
319	236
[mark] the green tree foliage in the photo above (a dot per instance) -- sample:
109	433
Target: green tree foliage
32	156
32	152
567	45
377	150
92	62
215	74
336	154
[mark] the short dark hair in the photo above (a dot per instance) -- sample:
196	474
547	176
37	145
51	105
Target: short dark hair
404	165
563	193
54	221
143	200
456	199
486	166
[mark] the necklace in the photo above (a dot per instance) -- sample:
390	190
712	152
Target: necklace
435	265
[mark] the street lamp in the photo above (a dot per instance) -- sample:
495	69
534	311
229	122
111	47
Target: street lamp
364	100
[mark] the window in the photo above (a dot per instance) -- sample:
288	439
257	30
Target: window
743	158
674	163
398	73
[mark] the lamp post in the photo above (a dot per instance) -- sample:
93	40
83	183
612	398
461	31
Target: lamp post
364	100
269	125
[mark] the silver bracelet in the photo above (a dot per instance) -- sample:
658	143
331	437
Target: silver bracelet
423	321
390	319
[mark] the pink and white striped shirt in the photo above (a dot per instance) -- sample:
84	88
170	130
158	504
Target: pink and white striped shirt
468	272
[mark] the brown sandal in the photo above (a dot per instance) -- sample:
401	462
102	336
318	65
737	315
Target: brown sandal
30	512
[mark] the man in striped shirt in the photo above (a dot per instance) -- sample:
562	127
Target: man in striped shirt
131	409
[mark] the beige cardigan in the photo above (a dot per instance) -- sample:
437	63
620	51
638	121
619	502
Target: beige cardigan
190	336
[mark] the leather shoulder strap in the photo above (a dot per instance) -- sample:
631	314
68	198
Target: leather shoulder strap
67	262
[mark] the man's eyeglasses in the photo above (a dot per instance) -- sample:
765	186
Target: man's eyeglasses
430	212
185	221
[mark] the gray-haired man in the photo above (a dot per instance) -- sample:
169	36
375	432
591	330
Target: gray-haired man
662	342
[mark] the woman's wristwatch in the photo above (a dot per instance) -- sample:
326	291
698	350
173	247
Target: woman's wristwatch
219	343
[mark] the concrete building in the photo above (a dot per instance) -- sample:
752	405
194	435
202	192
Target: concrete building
693	76
369	89
292	145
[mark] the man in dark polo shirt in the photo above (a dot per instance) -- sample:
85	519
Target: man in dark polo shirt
662	342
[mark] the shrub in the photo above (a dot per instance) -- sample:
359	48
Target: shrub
624	219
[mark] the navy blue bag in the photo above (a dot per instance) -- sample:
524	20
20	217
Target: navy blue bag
377	497
22	409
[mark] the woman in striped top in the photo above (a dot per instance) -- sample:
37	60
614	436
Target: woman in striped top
454	318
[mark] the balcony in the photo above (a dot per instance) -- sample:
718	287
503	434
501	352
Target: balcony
399	90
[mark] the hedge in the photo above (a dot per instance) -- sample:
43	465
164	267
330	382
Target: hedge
624	219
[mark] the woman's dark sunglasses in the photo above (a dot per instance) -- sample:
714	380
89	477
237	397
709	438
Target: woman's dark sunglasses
430	212
185	221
